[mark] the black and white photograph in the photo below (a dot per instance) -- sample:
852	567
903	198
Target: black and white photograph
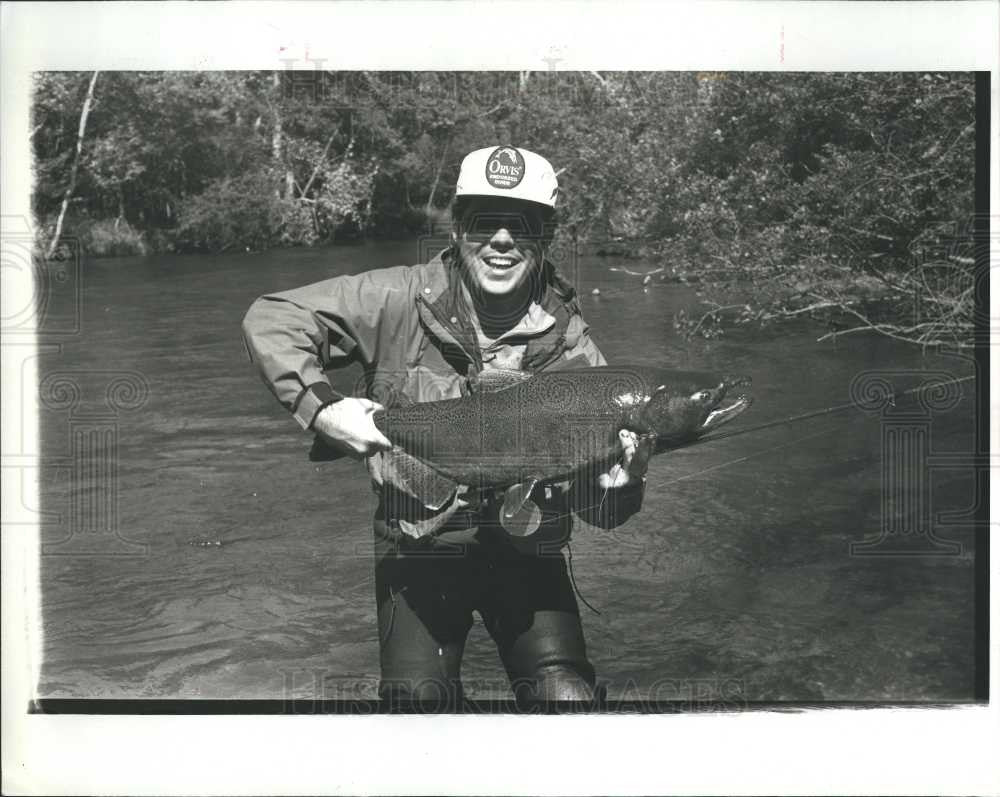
491	392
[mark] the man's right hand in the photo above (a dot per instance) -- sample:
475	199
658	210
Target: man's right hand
347	425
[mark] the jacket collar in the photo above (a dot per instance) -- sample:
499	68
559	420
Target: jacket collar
534	323
444	309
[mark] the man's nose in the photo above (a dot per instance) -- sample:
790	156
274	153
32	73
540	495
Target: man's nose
502	240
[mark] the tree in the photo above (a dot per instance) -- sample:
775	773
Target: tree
71	185
781	195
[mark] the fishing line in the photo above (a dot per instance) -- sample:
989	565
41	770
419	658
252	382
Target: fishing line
766	425
800	417
748	456
392	618
572	578
392	614
819	413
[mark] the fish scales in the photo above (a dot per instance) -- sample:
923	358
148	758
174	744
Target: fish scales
550	425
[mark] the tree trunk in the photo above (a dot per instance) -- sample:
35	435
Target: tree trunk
76	165
321	161
276	134
437	177
121	207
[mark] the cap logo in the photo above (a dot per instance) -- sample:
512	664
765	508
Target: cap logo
505	168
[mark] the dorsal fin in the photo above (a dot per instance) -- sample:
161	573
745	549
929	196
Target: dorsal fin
391	397
400	399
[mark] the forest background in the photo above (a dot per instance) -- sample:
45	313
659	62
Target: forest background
846	197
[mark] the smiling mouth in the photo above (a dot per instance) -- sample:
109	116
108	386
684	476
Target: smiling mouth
500	263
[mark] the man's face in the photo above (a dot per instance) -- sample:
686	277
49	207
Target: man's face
500	243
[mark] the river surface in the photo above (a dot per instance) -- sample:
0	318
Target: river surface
737	580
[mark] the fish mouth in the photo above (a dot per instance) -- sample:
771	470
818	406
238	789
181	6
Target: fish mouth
722	412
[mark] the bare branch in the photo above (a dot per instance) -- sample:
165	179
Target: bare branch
319	163
808	309
600	80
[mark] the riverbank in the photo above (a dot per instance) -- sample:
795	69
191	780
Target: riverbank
111	238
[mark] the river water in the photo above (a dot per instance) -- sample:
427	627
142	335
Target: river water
737	580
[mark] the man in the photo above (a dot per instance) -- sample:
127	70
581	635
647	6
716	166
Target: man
490	302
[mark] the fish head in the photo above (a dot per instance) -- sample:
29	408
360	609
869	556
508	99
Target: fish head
684	407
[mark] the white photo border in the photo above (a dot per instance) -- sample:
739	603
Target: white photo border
823	751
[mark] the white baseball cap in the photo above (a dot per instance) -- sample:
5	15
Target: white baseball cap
508	172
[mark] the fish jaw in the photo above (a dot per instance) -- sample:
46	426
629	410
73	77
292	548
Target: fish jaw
724	415
689	408
724	409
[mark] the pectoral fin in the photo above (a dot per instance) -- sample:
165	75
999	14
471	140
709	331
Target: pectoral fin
416	479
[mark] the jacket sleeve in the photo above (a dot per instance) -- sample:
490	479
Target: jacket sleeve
609	511
293	336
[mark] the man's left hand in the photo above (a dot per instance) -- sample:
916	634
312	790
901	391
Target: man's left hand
635	459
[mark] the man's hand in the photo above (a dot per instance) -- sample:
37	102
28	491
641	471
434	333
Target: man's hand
635	459
348	426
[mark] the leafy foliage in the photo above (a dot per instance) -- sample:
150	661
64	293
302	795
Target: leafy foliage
817	196
779	195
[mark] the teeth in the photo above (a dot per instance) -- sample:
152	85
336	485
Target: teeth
500	262
741	403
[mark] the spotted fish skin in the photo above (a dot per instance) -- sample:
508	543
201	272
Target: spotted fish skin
553	424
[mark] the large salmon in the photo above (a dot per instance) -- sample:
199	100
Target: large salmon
549	427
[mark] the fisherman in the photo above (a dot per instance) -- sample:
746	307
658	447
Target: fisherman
491	303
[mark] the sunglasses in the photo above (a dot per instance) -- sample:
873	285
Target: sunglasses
480	227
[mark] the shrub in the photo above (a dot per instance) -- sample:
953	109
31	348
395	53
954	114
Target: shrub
241	212
113	238
94	237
